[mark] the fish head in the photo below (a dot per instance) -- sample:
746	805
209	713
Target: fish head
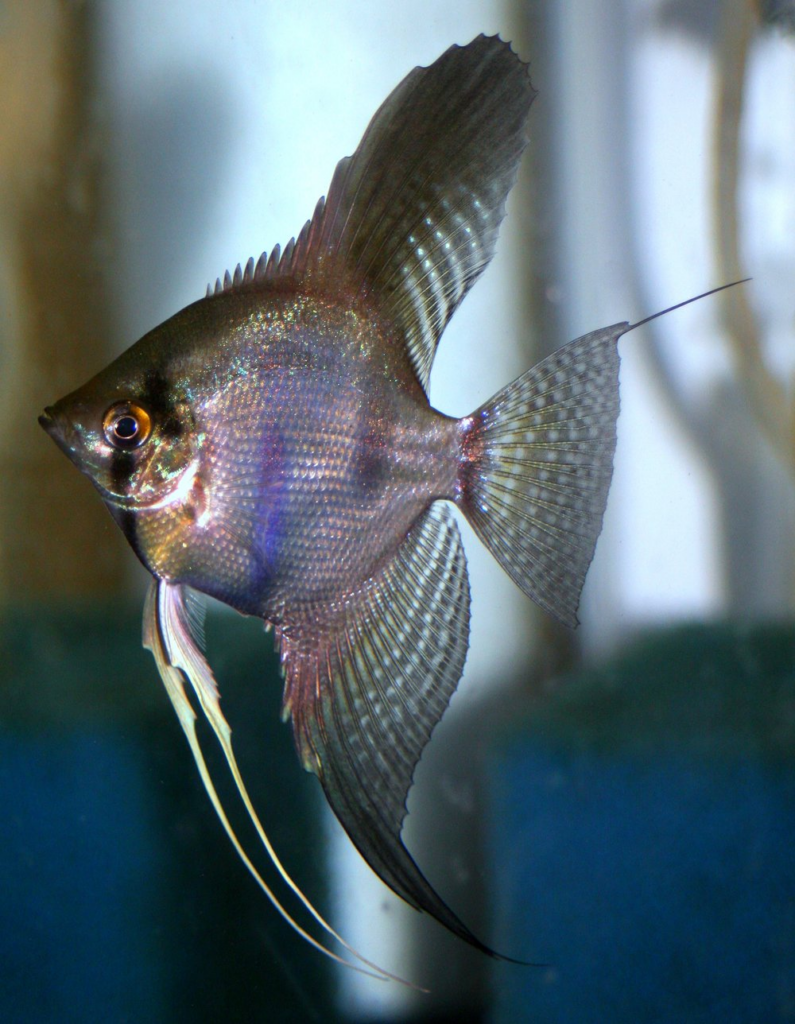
130	430
147	432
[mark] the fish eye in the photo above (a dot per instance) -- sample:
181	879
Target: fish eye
126	425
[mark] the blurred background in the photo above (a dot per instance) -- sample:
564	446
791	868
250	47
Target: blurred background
617	804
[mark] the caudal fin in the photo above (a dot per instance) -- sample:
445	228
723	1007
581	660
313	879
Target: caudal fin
536	464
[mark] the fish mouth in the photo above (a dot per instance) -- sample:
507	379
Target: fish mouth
67	439
49	421
46	420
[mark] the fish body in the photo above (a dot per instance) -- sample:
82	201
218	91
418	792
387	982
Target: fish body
273	446
288	470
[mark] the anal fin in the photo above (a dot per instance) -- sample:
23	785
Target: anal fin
366	692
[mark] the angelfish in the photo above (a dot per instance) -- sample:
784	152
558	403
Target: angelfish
273	446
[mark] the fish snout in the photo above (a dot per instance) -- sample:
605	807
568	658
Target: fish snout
59	430
46	420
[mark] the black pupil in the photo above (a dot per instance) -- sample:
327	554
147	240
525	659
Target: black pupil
125	428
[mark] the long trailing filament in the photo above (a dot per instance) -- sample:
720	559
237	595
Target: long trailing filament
167	635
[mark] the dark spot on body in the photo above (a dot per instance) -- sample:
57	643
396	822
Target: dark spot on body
162	406
371	463
127	522
121	467
158	392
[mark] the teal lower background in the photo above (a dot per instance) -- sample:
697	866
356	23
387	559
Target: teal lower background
643	835
640	835
655	892
122	899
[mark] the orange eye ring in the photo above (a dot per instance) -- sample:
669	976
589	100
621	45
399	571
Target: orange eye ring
126	425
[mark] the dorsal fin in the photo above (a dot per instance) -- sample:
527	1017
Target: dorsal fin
411	219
